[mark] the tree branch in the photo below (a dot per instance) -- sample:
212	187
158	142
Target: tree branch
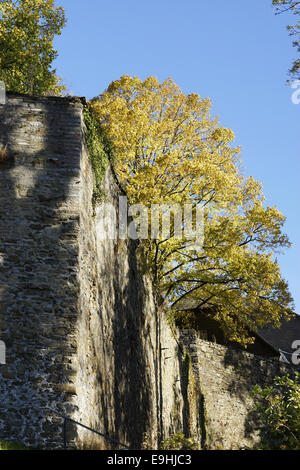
287	9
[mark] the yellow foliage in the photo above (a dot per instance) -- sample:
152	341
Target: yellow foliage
27	31
170	150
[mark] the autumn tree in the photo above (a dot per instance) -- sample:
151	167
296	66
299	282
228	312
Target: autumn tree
168	149
27	31
292	6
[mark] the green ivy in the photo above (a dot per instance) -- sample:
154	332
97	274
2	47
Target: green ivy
99	148
11	446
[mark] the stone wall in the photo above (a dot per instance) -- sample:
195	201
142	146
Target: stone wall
77	313
39	223
128	385
224	378
84	337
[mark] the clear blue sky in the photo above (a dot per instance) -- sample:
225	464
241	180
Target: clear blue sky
235	52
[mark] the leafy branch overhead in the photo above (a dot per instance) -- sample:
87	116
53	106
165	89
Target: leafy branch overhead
27	31
293	7
170	150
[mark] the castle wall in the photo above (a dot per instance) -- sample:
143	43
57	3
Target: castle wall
128	387
224	379
77	314
84	337
39	221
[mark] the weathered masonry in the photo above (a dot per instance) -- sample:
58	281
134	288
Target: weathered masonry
78	317
77	314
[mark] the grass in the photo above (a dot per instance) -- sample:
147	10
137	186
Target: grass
11	446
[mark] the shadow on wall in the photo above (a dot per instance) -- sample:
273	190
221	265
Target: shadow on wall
132	382
37	255
129	391
193	413
249	370
185	370
121	330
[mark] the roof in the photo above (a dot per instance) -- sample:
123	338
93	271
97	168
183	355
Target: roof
279	339
283	337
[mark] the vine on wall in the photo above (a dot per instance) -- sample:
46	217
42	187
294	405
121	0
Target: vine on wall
100	149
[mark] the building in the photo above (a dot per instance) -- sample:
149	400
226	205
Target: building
269	342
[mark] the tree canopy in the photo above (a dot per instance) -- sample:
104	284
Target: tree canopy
292	6
168	149
27	31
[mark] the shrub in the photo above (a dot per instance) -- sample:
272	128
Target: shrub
278	408
11	446
179	442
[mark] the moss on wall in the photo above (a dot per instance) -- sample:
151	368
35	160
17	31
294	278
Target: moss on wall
99	147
